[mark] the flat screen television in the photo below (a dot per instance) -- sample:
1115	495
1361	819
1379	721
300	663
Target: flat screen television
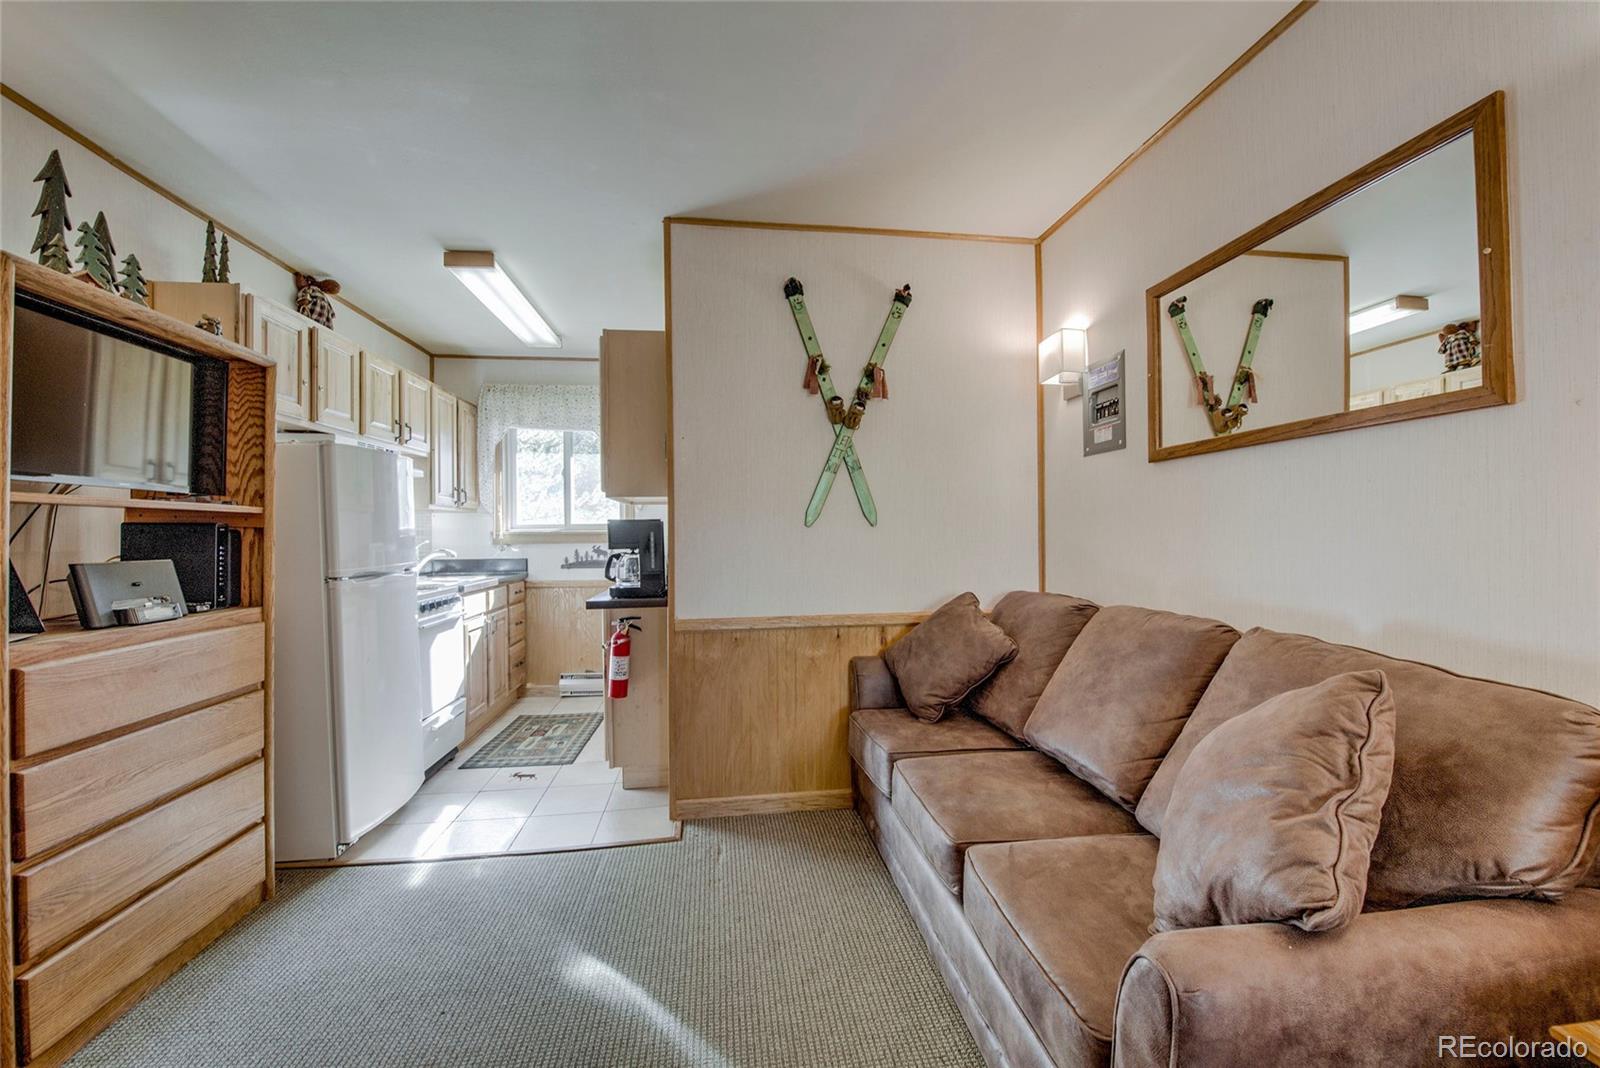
96	405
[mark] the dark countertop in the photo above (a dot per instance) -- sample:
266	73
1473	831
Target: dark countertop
514	568
472	576
605	601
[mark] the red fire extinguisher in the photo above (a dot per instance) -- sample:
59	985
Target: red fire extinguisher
619	646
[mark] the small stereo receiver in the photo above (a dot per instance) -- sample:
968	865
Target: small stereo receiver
206	556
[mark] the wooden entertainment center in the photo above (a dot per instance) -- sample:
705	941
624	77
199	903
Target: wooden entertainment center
138	759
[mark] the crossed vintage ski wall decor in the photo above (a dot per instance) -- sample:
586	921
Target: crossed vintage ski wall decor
844	418
1224	417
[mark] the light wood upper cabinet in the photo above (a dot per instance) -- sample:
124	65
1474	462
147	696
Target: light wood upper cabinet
633	413
282	335
416	412
467	453
336	372
380	398
442	470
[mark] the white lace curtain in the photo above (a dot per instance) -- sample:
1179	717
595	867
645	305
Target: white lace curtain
503	406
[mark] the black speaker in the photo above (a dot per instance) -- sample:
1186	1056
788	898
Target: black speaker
206	556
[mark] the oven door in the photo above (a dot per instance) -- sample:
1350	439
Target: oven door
443	637
443	648
443	732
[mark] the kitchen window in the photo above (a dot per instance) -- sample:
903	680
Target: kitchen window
550	483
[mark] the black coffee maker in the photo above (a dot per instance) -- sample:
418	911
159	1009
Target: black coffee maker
641	540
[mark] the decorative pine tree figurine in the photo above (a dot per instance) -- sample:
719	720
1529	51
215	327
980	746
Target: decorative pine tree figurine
208	272
55	256
102	230
92	256
222	261
132	283
52	214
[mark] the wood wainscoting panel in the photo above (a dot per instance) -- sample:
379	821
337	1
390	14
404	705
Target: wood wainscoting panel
762	713
561	634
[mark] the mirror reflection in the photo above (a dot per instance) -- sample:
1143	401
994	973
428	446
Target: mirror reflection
1372	301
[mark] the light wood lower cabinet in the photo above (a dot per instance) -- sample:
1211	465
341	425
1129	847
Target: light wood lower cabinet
477	673
519	666
61	799
61	701
72	890
499	656
58	995
496	661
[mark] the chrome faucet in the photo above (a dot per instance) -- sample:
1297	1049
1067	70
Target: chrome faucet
437	554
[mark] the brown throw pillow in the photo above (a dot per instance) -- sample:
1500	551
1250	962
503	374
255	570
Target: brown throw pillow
1123	693
1274	814
1042	625
941	660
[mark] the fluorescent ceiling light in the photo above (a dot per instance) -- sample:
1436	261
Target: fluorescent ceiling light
1386	312
494	288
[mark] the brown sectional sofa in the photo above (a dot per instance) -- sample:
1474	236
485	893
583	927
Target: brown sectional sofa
1033	888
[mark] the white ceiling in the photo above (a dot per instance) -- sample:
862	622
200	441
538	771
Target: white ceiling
359	140
1414	231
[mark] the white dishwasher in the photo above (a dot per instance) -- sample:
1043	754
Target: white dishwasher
442	634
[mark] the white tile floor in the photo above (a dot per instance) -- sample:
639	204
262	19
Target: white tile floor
460	812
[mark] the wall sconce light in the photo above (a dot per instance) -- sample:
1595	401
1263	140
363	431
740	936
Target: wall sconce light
1063	358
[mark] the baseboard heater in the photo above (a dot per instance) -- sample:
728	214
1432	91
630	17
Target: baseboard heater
580	684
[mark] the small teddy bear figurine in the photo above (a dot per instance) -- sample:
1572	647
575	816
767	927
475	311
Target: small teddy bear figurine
1460	346
311	298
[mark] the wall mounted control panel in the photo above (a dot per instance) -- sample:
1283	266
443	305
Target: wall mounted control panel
1104	421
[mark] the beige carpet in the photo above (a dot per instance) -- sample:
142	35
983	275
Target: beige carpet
772	940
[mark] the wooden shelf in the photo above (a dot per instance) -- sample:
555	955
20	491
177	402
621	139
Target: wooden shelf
63	637
148	504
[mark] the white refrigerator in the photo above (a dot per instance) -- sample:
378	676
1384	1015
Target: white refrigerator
347	690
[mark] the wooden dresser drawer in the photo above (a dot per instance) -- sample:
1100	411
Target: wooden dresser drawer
62	992
519	656
62	701
518	592
66	893
60	799
519	624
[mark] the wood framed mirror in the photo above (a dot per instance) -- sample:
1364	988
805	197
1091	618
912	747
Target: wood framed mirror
1386	296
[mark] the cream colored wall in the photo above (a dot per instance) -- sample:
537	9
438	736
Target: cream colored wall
169	241
1467	540
948	455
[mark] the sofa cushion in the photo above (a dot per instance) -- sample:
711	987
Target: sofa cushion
1123	692
946	656
1059	920
1043	625
1496	789
1274	813
951	802
881	736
